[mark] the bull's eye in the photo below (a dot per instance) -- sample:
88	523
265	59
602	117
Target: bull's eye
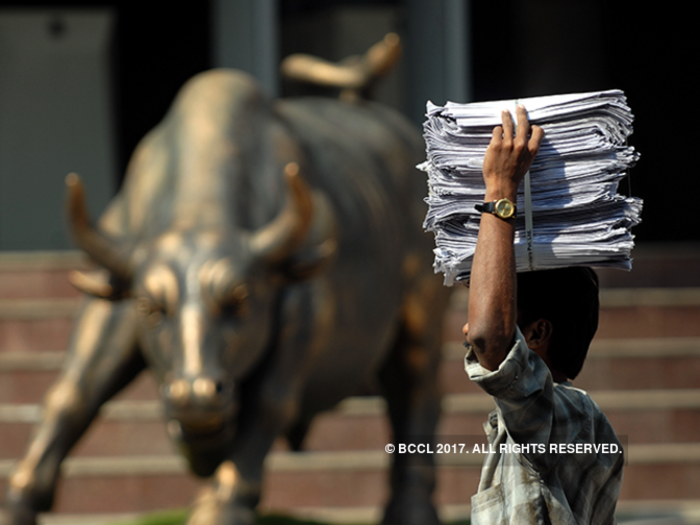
150	311
235	302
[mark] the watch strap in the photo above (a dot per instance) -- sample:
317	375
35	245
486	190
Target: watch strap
498	207
486	207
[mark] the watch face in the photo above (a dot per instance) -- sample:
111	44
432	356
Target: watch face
505	209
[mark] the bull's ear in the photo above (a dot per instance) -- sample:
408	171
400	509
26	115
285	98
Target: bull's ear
99	283
319	248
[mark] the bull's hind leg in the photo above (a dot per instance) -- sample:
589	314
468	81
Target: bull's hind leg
410	381
102	358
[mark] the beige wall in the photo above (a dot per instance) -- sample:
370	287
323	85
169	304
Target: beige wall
55	118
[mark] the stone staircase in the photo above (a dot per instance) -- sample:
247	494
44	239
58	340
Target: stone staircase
643	370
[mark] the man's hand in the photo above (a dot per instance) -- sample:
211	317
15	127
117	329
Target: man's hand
508	158
492	297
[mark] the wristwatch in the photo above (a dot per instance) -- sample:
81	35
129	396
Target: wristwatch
501	208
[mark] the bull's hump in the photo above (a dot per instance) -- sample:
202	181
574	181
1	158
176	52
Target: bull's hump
219	89
216	124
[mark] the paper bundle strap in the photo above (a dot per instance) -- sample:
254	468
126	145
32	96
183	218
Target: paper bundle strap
529	236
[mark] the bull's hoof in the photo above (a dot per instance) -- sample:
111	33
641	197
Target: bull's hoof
17	516
211	509
410	511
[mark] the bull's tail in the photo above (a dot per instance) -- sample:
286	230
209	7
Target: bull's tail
354	76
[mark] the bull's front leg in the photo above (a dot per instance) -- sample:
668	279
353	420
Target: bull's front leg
267	410
102	358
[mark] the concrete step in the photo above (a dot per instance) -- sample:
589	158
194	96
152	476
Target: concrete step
611	364
137	428
37	302
36	275
657	265
649	512
43	324
25	377
624	313
46	324
28	325
335	479
624	364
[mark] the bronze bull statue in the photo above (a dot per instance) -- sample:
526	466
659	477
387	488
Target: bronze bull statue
264	259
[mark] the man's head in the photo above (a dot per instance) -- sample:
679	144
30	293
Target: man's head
560	309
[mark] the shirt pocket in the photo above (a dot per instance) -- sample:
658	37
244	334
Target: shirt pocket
488	506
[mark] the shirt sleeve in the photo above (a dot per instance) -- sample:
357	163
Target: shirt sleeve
523	389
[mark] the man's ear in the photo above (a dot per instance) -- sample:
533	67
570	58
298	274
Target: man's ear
538	334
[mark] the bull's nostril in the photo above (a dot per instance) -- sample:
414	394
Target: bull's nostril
219	387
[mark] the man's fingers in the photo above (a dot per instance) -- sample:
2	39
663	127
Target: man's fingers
536	136
507	125
497	135
523	123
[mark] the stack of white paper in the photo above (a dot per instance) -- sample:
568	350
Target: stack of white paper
577	216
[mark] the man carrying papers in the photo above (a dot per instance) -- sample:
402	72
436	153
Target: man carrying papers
527	335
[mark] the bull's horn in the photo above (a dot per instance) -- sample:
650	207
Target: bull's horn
97	246
284	234
353	74
382	56
315	70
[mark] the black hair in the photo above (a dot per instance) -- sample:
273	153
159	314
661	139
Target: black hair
567	298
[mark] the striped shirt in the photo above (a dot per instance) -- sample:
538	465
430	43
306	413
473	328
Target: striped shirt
555	459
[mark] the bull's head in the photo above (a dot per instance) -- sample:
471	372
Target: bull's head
206	302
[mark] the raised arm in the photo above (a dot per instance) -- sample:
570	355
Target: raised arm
492	295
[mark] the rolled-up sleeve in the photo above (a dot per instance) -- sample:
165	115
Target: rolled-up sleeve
523	389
